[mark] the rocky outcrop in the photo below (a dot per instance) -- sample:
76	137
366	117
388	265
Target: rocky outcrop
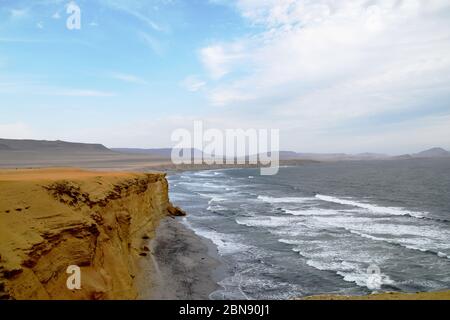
176	211
55	218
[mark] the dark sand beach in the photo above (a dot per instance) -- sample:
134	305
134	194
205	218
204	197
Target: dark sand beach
181	265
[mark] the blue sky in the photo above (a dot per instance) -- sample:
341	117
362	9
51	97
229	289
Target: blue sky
333	76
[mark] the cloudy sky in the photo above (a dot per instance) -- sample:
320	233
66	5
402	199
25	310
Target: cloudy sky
332	75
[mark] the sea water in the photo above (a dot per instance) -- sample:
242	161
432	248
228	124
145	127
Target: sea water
322	228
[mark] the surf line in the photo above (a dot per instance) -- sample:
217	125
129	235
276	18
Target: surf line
196	311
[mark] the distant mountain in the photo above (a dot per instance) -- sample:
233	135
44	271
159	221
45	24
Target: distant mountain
160	152
432	153
10	145
289	155
27	148
403	157
163	153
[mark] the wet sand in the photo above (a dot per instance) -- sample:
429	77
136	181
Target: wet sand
180	265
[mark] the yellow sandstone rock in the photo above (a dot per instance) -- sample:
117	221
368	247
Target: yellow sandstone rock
51	219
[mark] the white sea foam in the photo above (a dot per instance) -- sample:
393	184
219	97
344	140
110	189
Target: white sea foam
215	208
443	255
314	212
424	238
411	244
352	272
207	173
202	184
267	222
363	279
226	244
373	208
322	255
216	198
285	199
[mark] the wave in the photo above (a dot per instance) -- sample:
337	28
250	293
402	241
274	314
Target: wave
350	271
215	208
225	243
395	211
202	185
400	244
314	212
212	197
428	239
207	173
285	199
267	222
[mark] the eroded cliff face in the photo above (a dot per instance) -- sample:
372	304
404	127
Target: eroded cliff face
54	218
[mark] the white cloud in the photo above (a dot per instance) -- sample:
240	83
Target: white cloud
322	63
220	59
214	59
401	138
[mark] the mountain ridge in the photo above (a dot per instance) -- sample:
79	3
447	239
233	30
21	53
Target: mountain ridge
48	145
58	146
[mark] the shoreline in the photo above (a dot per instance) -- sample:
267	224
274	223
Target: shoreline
179	265
182	265
207	279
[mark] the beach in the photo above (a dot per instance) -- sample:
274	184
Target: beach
180	265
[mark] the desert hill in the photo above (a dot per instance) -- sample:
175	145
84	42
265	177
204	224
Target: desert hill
50	146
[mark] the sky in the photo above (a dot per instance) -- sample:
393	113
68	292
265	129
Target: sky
333	75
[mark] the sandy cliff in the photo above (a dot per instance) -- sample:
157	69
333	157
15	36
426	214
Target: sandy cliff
53	218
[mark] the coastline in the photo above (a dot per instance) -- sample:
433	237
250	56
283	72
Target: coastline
182	265
175	263
179	265
205	278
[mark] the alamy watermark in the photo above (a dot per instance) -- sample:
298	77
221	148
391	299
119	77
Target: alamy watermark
74	280
374	277
73	22
227	147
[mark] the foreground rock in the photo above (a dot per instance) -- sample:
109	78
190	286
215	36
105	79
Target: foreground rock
54	218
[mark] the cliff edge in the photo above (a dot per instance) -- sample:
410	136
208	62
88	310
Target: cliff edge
51	219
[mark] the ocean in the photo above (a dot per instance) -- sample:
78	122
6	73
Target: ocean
324	228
